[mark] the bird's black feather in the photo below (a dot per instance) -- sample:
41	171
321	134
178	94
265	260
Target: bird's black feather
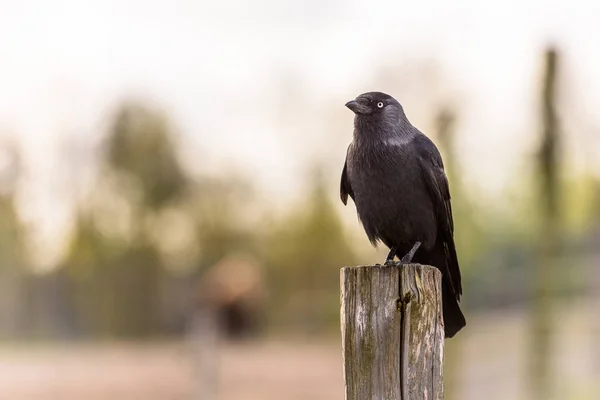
432	168
345	188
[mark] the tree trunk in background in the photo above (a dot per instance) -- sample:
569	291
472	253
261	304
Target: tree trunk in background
549	236
445	123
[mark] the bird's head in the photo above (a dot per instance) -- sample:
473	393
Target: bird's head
374	105
377	115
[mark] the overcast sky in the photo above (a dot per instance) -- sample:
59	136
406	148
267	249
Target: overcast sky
218	67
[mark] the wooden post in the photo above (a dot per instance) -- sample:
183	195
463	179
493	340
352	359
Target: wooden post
540	368
392	332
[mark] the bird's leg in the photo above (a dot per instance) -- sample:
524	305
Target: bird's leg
390	257
409	256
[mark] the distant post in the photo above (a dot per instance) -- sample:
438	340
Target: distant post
392	332
540	368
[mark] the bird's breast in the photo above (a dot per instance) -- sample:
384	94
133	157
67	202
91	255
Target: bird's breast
391	198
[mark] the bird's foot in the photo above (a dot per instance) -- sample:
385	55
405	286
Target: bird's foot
390	257
407	259
391	262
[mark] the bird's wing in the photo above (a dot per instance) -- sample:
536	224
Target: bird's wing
345	188
432	168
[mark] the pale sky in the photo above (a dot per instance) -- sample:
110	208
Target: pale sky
218	67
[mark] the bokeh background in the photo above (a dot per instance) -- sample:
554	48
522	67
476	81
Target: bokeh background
169	181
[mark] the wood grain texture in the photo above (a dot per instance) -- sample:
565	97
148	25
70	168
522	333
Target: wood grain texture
392	332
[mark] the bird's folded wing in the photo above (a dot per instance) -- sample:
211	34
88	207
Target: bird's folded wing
345	188
432	168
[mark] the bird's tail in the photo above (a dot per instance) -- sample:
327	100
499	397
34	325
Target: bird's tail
454	320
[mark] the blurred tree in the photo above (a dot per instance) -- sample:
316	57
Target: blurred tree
304	252
224	210
113	258
147	229
544	279
468	233
16	308
445	132
141	145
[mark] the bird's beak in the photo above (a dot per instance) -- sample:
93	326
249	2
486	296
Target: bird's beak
358	108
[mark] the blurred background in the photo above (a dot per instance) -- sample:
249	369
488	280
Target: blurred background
169	182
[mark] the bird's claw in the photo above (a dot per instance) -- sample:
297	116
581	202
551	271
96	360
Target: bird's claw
406	260
392	263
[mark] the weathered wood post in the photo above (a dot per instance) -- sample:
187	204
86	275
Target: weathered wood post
392	332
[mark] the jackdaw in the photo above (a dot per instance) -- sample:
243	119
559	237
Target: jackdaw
395	176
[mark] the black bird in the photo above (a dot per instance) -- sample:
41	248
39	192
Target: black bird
395	175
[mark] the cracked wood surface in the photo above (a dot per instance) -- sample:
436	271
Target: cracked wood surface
392	332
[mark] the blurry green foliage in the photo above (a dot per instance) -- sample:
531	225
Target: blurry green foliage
14	282
304	252
141	145
115	268
468	232
223	213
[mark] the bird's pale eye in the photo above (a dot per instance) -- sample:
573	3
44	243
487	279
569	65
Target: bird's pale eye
380	104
